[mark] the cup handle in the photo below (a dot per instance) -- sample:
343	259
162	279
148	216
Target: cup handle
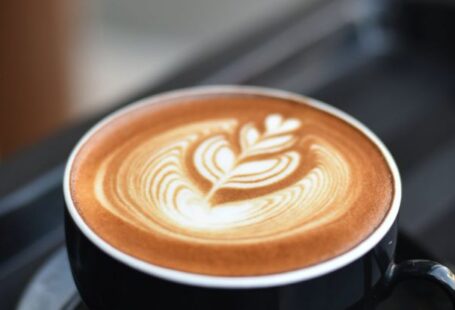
421	269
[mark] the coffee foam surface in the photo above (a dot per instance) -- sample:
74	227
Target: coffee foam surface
231	184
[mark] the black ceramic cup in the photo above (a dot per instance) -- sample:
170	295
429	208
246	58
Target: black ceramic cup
358	279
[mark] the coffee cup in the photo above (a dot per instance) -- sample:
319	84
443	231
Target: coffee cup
235	197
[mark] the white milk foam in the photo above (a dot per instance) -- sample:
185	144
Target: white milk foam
154	187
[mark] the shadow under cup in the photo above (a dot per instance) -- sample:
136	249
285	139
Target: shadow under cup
110	279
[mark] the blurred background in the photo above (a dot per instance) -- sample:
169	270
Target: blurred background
63	60
65	64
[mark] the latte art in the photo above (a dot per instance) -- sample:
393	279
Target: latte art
216	160
153	188
231	185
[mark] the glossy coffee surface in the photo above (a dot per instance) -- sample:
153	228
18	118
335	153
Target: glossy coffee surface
231	184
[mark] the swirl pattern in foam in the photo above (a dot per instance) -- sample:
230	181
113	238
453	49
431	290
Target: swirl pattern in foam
219	191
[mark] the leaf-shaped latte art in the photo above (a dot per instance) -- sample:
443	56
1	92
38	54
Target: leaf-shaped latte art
216	160
153	190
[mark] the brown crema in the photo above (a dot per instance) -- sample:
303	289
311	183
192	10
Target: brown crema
231	184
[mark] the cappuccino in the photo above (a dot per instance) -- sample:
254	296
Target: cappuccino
232	184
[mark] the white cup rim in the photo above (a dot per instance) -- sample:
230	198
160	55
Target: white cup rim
239	282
